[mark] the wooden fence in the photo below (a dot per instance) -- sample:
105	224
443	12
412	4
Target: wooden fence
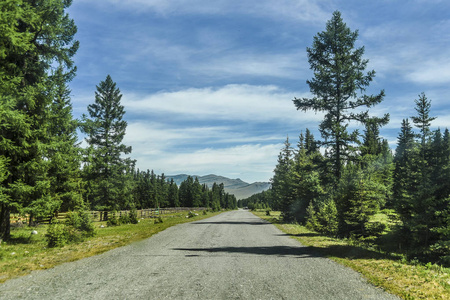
98	216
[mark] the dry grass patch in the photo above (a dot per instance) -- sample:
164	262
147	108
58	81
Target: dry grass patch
391	272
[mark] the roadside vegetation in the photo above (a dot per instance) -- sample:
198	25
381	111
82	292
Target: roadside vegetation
350	184
26	252
392	272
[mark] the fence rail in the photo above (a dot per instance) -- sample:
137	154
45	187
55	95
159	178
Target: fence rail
98	216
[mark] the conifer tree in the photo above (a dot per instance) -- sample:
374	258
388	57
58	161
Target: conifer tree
361	194
305	177
405	177
338	76
34	35
282	187
423	120
197	193
64	154
311	144
372	144
424	199
105	131
206	196
215	197
173	194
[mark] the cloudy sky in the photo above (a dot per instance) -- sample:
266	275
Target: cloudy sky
208	84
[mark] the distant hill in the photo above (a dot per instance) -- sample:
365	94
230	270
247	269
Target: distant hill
240	189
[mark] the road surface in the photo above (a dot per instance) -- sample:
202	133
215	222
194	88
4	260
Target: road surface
234	255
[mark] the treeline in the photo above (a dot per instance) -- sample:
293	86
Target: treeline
261	200
399	201
156	191
350	184
43	169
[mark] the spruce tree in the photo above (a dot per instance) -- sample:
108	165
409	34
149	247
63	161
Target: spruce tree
64	154
424	198
423	120
215	197
405	177
172	194
372	144
282	180
338	76
105	131
34	37
305	178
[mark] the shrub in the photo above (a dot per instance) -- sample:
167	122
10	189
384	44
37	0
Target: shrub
323	217
133	216
124	219
57	235
374	229
81	220
158	220
76	228
87	226
112	220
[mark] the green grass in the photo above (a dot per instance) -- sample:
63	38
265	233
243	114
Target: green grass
24	252
388	271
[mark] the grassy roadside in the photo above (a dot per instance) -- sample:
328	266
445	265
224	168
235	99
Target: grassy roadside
25	252
409	281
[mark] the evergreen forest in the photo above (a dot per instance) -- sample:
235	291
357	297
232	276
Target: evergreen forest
43	168
351	184
348	184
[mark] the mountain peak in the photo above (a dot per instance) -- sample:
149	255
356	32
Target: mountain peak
237	187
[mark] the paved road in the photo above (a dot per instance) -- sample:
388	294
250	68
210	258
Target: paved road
234	255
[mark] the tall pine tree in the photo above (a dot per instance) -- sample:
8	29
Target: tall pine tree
64	154
105	129
338	76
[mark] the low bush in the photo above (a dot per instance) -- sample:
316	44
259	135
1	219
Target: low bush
132	216
112	220
81	221
322	217
124	219
57	235
76	228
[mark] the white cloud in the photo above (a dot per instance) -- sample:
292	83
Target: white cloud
281	65
434	71
217	149
250	162
304	10
410	51
231	102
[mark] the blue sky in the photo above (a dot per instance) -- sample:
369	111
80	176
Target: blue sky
208	85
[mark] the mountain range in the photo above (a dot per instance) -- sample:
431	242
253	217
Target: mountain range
240	189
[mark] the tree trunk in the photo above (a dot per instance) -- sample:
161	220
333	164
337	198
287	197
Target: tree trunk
5	226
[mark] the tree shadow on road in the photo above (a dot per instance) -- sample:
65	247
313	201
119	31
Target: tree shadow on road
307	234
300	252
338	251
230	223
